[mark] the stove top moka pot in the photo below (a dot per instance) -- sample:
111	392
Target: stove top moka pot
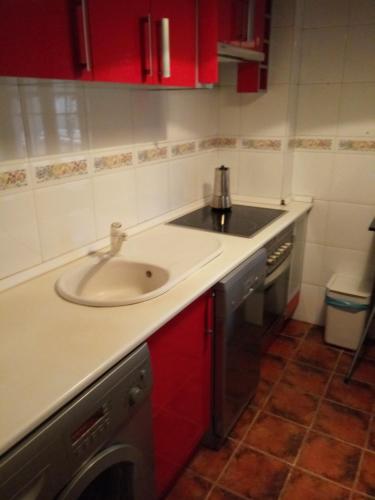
221	196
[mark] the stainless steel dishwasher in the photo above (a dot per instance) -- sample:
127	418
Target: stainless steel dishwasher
237	344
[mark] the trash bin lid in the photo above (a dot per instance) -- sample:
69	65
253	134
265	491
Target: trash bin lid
349	285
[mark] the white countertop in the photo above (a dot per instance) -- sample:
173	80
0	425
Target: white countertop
52	349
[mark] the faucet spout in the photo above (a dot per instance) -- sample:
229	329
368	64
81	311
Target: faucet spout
118	236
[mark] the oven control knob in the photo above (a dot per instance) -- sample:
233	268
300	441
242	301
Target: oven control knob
135	395
288	244
277	253
270	260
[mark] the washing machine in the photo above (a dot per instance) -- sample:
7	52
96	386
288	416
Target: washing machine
98	447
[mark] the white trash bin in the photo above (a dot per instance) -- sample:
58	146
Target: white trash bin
347	301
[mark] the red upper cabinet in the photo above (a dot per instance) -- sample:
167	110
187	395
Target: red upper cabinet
233	21
148	41
174	42
120	38
38	39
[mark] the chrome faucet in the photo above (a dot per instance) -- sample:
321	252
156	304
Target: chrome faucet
118	236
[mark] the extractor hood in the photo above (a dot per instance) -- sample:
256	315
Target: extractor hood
232	53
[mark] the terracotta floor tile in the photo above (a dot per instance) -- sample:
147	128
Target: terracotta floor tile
283	346
354	394
330	458
371	442
210	463
296	328
291	403
271	367
276	436
220	494
364	370
243	423
359	496
189	487
307	378
343	422
254	475
316	335
303	486
366	481
263	390
317	355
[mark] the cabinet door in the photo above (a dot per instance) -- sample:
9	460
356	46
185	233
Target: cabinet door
37	39
233	21
181	18
120	34
181	397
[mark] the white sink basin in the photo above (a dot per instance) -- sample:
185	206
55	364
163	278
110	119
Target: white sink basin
150	264
112	282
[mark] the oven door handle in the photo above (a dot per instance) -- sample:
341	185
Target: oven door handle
278	271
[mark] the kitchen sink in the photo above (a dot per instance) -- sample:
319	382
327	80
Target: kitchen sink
149	265
112	281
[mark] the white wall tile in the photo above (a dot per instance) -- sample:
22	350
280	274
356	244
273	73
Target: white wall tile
311	307
19	242
344	261
359	57
149	111
347	226
281	52
318	109
283	12
54	116
323	55
12	138
206	164
65	217
192	114
313	264
353	179
152	190
231	159
115	200
109	115
228	74
229	111
362	12
313	174
357	110
260	174
319	13
183	181
317	222
265	114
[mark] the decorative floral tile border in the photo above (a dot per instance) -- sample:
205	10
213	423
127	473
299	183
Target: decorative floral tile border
357	145
109	162
210	143
262	144
63	170
153	154
11	179
311	144
226	142
183	149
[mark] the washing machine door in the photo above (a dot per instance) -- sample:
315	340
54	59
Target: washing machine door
112	474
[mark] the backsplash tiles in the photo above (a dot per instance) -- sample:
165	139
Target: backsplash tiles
154	153
12	178
262	144
58	170
112	161
334	147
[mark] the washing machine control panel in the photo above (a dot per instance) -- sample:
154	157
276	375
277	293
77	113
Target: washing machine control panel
91	431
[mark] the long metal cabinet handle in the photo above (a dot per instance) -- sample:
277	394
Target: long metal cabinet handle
86	36
165	48
149	70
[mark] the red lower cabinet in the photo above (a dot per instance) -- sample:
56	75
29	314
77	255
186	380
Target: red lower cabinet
181	398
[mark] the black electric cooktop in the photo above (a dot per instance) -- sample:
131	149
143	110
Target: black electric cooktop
240	220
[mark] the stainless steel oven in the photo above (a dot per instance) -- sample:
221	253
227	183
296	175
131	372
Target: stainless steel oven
274	297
